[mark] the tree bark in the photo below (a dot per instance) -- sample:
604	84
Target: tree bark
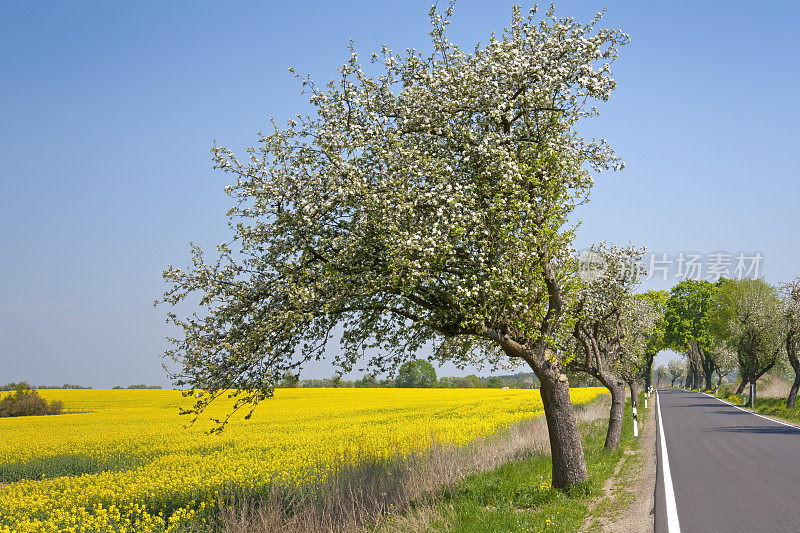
791	352
692	373
648	372
566	450
615	417
634	386
708	374
792	399
743	384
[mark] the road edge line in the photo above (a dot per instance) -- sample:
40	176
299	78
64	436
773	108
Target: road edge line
673	526
781	422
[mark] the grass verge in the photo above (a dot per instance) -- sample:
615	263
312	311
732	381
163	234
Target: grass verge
774	407
517	495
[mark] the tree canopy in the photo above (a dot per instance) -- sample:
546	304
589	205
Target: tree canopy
611	325
425	203
655	341
688	328
790	292
747	315
418	373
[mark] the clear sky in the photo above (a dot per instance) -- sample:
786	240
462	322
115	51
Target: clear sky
108	111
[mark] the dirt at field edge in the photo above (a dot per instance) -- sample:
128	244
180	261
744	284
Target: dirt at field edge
628	504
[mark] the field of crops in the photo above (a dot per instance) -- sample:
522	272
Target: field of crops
129	464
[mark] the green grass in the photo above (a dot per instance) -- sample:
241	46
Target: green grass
517	496
775	407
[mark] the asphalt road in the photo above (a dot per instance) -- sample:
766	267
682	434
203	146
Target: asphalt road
730	470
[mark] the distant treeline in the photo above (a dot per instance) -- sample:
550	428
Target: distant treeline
522	380
15	385
24	385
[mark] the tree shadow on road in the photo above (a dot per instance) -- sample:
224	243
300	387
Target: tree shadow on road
698	405
728	412
759	430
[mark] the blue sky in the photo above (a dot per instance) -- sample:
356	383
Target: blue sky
108	111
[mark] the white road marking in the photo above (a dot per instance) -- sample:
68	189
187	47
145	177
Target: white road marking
752	413
669	494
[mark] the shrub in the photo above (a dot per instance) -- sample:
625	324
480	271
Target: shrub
27	402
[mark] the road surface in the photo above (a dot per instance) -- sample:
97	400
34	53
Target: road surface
730	470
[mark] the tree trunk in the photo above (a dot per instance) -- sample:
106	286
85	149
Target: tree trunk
617	388
566	451
615	418
708	374
673	382
648	372
692	373
743	384
791	352
790	401
634	386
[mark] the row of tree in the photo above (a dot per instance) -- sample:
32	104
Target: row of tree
417	373
25	385
744	327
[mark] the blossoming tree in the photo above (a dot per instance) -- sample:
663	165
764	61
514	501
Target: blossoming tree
790	293
639	325
748	315
424	201
608	339
655	338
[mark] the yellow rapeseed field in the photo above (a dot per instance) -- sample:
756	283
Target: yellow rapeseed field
130	464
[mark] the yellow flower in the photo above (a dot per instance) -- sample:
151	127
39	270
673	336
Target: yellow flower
127	463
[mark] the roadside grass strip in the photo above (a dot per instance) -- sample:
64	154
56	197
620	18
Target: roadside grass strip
517	496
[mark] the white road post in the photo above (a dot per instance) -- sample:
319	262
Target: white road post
635	424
